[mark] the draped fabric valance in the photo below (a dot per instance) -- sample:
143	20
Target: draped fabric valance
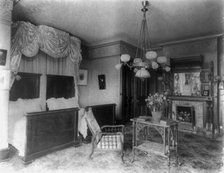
28	39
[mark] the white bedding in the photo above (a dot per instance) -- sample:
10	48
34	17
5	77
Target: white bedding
62	103
17	121
18	139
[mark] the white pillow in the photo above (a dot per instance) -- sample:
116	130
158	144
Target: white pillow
56	103
62	103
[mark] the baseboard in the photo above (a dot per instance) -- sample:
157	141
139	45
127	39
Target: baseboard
5	154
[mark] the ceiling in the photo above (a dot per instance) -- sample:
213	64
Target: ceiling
101	21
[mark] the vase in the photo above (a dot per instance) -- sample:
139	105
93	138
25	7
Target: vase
156	116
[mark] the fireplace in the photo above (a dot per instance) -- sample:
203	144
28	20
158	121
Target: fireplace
194	114
186	117
190	114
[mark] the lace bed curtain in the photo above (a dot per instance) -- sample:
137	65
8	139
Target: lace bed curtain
28	39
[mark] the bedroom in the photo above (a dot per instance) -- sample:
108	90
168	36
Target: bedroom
101	51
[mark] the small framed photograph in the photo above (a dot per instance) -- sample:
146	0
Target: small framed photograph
205	76
205	93
82	77
3	55
102	81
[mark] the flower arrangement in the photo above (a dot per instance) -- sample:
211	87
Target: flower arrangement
157	102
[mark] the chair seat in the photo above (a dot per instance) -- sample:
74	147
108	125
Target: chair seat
111	142
108	137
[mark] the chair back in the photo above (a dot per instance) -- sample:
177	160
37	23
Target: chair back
91	122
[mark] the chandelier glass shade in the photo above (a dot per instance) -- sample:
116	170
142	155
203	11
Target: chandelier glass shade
145	59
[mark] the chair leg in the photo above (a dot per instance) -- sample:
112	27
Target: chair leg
90	156
122	151
93	146
122	156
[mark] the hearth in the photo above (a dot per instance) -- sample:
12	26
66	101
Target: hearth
186	117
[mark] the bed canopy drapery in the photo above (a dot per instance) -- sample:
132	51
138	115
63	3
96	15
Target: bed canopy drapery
28	39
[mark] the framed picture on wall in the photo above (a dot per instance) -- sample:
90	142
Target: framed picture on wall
102	81
82	77
3	55
205	93
205	76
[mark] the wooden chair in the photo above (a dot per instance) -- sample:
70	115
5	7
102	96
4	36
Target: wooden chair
108	137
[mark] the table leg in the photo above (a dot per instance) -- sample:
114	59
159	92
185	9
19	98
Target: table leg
168	152
133	141
164	141
176	144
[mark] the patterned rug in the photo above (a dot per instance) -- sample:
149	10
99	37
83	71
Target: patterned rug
196	154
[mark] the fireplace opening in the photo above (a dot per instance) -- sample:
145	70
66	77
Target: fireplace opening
186	116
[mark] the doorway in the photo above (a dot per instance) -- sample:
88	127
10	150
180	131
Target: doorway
135	91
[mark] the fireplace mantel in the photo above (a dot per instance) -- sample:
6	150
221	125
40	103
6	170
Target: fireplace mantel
191	98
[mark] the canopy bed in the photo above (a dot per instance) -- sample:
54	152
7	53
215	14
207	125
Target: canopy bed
44	114
43	55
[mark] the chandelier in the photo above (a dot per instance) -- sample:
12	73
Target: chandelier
144	58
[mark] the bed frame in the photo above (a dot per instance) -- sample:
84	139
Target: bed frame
49	131
52	130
